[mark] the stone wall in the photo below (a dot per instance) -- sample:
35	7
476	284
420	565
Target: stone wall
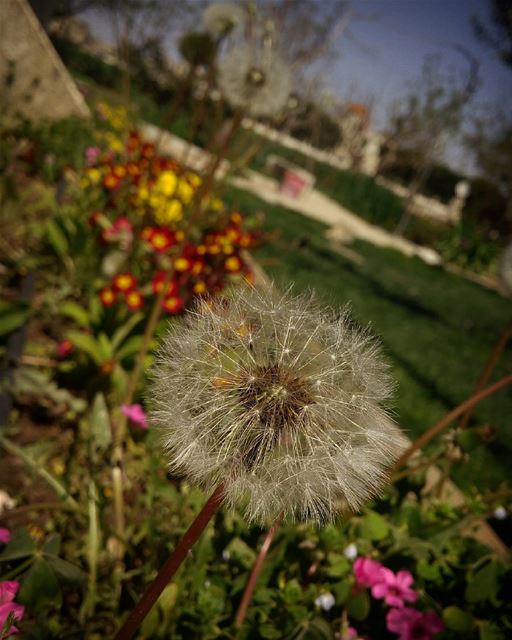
33	80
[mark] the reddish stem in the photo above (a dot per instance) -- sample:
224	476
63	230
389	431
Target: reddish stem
255	573
174	562
444	422
491	363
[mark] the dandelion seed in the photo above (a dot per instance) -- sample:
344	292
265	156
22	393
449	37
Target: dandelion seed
283	436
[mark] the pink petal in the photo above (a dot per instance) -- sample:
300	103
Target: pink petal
5	535
379	590
16	609
404	579
8	591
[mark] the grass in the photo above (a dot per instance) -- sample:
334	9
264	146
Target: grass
437	329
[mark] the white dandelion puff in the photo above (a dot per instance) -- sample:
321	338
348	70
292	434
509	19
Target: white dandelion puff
220	19
257	82
246	393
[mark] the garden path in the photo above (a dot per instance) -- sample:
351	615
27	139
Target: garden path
344	225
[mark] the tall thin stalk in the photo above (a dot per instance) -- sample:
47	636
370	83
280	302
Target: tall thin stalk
255	573
489	367
173	563
436	429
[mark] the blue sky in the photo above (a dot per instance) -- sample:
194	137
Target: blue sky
380	56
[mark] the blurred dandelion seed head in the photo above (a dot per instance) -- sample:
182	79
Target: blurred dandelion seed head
278	399
257	82
220	19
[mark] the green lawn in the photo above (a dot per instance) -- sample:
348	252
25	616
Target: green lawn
436	328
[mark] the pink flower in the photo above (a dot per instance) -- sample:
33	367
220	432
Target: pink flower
5	535
91	155
394	588
135	413
411	624
351	634
8	590
367	571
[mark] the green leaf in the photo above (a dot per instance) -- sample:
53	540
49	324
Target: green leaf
76	312
149	627
166	603
65	569
52	545
130	347
12	316
292	592
105	347
489	631
458	620
359	606
374	527
21	545
39	587
87	344
340	566
57	239
428	570
123	331
341	591
241	552
100	423
484	584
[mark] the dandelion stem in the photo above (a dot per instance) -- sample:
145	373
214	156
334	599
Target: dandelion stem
173	563
255	572
488	369
455	413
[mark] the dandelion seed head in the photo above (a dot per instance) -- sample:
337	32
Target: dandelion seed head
258	82
281	423
219	19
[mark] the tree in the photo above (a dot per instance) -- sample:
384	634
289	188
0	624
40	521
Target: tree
498	34
423	122
491	143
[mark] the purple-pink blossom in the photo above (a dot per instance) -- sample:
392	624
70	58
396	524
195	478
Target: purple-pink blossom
5	535
367	571
8	591
91	155
394	589
411	624
135	413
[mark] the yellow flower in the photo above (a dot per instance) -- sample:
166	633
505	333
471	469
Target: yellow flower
167	182
217	204
194	179
185	191
94	175
174	211
143	193
84	183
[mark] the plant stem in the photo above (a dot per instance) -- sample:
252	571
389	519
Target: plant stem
53	482
444	422
173	563
491	363
255	572
87	608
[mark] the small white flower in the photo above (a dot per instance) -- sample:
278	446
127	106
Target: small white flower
351	552
325	601
6	502
500	513
226	555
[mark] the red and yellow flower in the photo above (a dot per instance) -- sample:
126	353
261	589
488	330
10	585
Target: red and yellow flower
134	300
124	282
158	282
173	304
107	296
